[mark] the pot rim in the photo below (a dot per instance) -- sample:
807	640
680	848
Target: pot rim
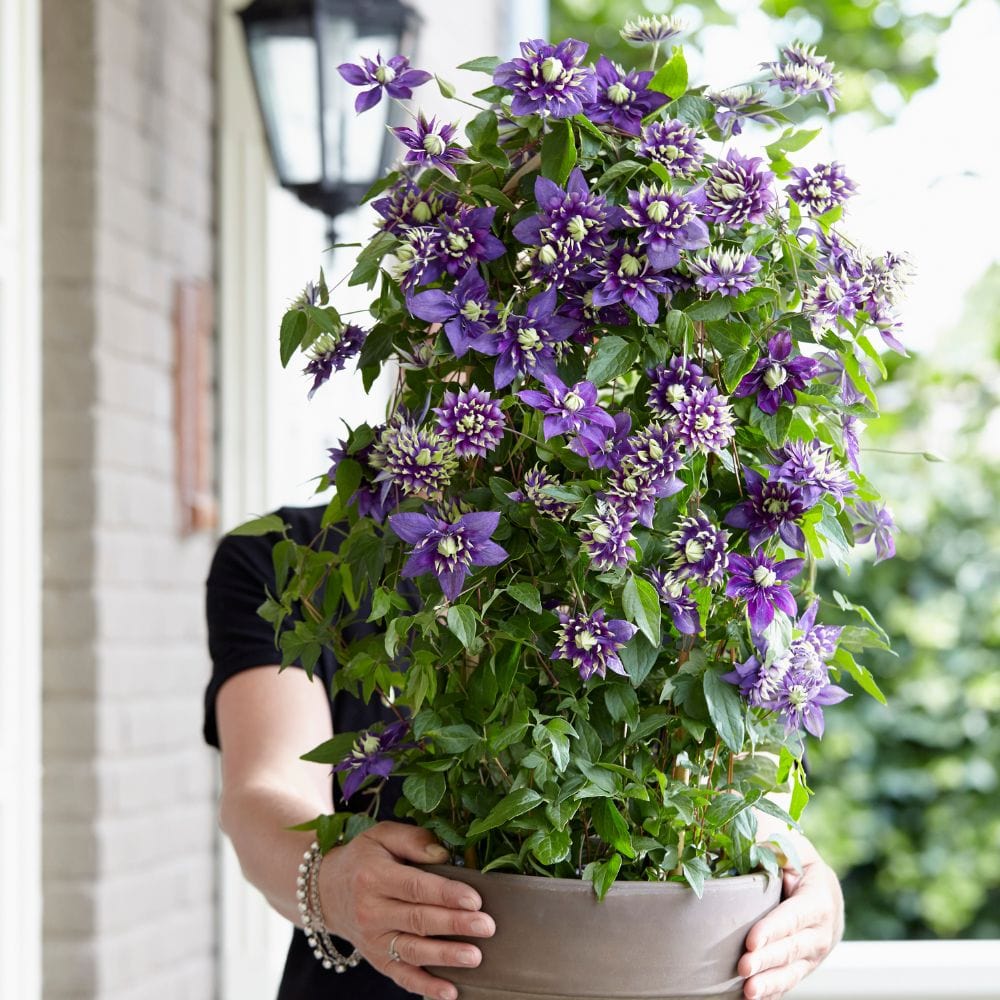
713	884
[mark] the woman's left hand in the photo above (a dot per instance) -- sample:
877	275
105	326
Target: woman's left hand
786	945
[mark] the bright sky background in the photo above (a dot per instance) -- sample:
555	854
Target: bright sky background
928	183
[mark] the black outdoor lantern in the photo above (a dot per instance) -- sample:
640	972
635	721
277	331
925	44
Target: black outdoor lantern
321	149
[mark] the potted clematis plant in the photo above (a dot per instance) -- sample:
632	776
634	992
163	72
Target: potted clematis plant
633	355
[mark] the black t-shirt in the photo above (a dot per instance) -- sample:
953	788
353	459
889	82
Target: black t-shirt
238	639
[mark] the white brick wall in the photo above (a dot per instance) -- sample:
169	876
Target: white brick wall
128	790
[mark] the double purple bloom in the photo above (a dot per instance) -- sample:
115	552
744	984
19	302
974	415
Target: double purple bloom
738	190
628	276
448	548
370	756
668	225
472	421
468	313
761	582
771	508
430	145
591	644
775	378
548	80
623	99
570	411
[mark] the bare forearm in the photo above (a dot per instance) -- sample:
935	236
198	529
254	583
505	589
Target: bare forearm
256	819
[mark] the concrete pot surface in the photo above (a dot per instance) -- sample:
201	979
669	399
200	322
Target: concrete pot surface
644	941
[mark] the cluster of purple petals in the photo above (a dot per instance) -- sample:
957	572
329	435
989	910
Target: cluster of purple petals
467	312
676	595
417	460
874	523
699	550
533	486
673	383
738	190
330	353
572	412
704	421
472	421
776	377
635	494
725	272
623	99
771	508
395	77
667	223
822	188
803	72
591	643
548	80
737	105
763	584
626	275
431	144
812	467
448	549
606	538
405	205
374	500
674	145
655	453
371	756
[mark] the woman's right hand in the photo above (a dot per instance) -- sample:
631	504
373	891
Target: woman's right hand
373	898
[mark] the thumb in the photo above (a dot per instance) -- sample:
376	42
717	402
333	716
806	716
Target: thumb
407	842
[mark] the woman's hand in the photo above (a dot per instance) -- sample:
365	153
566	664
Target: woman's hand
786	945
375	900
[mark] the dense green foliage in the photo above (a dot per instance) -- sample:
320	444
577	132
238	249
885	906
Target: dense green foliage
908	812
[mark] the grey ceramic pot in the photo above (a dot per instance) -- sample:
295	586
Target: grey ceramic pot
644	941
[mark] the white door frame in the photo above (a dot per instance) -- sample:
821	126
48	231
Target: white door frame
20	503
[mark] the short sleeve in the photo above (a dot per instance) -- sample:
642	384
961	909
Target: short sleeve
238	638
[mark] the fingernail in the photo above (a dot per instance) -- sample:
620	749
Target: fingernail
470	902
754	967
480	926
437	852
449	993
468	957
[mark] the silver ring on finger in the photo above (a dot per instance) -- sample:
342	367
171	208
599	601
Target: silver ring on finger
394	955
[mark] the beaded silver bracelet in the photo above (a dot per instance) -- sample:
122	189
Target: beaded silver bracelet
311	913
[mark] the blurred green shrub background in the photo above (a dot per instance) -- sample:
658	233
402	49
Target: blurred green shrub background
908	803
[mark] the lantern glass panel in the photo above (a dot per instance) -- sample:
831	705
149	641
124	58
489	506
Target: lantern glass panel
285	64
353	144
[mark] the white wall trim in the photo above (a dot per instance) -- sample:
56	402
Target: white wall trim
20	503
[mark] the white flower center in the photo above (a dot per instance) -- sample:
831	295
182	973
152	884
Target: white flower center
548	255
473	311
658	211
694	551
764	577
385	74
797	696
457	243
576	228
434	145
573	402
424	457
552	69
600	532
448	546
586	640
422	212
775	376
618	93
528	339
630	266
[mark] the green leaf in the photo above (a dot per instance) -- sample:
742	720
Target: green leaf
483	130
613	357
484	64
550	846
692	110
517	803
462	623
425	790
672	77
791	140
642	607
348	479
558	152
526	594
293	329
494	196
454	739
845	605
333	751
695	872
621	172
602	874
725	707
367	266
638	657
737	365
611	826
377	346
715	308
622	703
260	526
861	674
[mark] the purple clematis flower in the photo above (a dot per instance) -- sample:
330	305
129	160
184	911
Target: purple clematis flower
704	421
548	80
472	421
570	411
728	272
801	697
608	454
674	145
760	582
775	379
676	595
811	466
874	521
394	77
803	72
468	313
655	452
672	384
836	295
533	489
699	550
430	145
623	99
525	344
371	755
771	508
822	188
635	493
448	548
736	105
738	190
668	225
591	644
405	205
628	276
330	352
572	215
465	241
416	460
606	536
651	30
